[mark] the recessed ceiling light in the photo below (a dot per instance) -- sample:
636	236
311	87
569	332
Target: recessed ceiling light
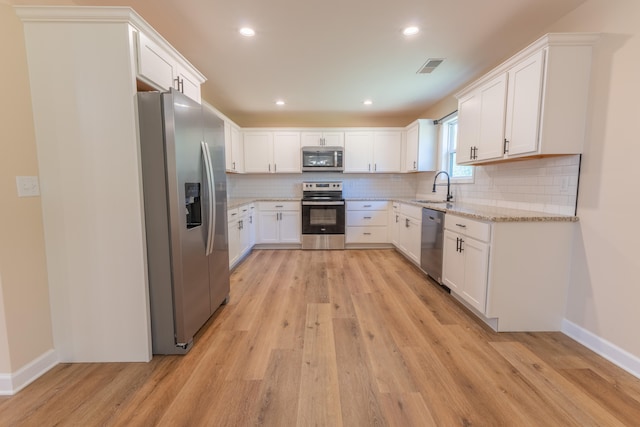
411	31
280	102
367	102
247	32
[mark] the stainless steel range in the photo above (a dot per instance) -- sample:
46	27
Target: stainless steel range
322	215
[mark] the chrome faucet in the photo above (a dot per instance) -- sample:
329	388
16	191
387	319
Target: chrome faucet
449	195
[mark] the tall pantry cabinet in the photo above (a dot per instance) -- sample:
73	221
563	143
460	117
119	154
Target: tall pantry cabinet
83	70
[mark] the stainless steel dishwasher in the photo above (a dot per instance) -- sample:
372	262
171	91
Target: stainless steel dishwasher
432	238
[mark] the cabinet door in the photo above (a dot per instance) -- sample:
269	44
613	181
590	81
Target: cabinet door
244	235
386	151
358	151
252	227
413	241
228	147
286	152
258	152
476	265
493	98
290	226
524	99
411	154
333	139
409	237
237	150
155	64
234	242
394	226
452	263
468	127
189	84
311	139
268	227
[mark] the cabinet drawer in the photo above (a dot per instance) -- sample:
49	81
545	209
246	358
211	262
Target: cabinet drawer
469	227
232	214
367	205
366	235
412	211
245	209
364	218
279	206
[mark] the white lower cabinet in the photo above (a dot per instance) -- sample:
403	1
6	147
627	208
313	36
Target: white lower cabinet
408	229
514	275
466	262
279	222
241	232
366	221
394	223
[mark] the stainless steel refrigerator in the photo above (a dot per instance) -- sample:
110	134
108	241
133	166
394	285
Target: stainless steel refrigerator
185	200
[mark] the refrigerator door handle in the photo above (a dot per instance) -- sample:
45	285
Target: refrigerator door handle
211	196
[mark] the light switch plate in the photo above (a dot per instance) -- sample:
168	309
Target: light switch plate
27	186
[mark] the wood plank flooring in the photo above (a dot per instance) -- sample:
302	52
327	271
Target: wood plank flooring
340	338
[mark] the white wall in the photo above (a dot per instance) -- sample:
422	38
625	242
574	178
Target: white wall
604	295
25	318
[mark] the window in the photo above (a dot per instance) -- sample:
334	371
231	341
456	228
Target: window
449	142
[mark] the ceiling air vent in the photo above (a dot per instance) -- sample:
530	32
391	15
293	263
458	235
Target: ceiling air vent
430	65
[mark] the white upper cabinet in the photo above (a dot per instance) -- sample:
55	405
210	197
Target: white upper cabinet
162	67
322	138
523	105
373	151
154	63
358	151
531	105
258	152
386	151
234	148
286	152
271	151
481	122
421	146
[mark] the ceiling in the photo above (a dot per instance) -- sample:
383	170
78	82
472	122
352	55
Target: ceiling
324	58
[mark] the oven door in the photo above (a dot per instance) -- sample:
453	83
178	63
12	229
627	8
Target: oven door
326	217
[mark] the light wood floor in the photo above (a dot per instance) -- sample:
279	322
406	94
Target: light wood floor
340	338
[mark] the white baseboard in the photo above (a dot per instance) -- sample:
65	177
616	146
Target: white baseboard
602	347
14	382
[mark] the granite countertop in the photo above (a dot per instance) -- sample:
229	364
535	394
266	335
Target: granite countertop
483	212
236	203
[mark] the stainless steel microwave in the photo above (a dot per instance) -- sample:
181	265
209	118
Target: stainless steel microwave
322	159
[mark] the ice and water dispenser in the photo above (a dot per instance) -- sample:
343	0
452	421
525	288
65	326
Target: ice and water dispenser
193	205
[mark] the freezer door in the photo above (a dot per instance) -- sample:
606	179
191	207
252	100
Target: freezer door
186	187
219	258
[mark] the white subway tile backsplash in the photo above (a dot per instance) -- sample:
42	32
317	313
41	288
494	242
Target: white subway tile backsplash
545	185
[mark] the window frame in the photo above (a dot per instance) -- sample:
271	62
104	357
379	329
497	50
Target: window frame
445	151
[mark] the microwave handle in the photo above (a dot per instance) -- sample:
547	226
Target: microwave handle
335	158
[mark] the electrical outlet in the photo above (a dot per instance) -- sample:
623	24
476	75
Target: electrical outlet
27	186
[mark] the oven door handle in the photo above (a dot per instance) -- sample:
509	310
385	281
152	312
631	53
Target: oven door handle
336	203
